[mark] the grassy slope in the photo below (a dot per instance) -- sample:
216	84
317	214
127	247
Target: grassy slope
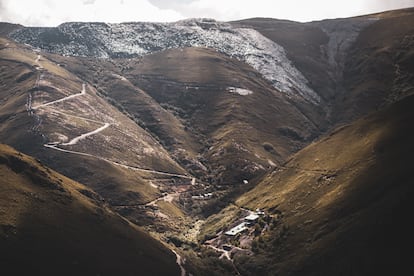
13	115
180	97
118	185
6	28
303	43
106	75
51	225
344	201
233	128
379	66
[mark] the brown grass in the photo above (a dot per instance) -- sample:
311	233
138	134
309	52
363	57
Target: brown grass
52	225
345	185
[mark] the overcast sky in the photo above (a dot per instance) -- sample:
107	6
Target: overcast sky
54	12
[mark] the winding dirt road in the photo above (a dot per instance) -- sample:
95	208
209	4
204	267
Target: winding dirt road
83	92
180	263
55	145
83	136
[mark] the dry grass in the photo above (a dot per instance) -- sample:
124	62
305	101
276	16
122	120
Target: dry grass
170	209
344	185
218	222
123	141
52	225
194	81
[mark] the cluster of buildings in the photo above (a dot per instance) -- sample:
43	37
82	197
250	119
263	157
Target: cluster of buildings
203	196
248	221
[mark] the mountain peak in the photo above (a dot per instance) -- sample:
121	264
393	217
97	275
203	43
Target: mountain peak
103	40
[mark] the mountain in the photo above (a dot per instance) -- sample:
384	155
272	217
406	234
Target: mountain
169	109
55	116
135	39
52	225
173	123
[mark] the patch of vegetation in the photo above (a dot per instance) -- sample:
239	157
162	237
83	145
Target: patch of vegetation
268	147
291	133
218	222
207	262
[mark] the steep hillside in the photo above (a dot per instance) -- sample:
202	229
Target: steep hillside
339	206
379	68
192	85
67	111
318	49
7	28
138	38
209	111
356	65
51	225
227	106
162	76
59	118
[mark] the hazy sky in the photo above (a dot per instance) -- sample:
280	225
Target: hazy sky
54	12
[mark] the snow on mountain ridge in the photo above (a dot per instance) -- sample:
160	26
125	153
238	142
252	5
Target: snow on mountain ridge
136	39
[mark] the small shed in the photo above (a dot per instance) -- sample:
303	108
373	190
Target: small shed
251	218
260	212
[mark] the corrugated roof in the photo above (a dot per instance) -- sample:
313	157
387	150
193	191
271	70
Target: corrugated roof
252	217
237	229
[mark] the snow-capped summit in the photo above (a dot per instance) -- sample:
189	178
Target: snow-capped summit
141	38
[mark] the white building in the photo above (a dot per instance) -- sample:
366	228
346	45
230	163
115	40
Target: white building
252	218
237	229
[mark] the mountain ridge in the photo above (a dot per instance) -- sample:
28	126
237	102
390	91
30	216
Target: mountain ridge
115	40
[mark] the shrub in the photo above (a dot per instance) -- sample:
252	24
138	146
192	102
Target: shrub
268	147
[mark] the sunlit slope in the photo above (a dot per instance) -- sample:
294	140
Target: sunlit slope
58	117
343	202
51	225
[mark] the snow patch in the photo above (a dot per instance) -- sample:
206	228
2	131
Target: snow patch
138	39
169	198
240	91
